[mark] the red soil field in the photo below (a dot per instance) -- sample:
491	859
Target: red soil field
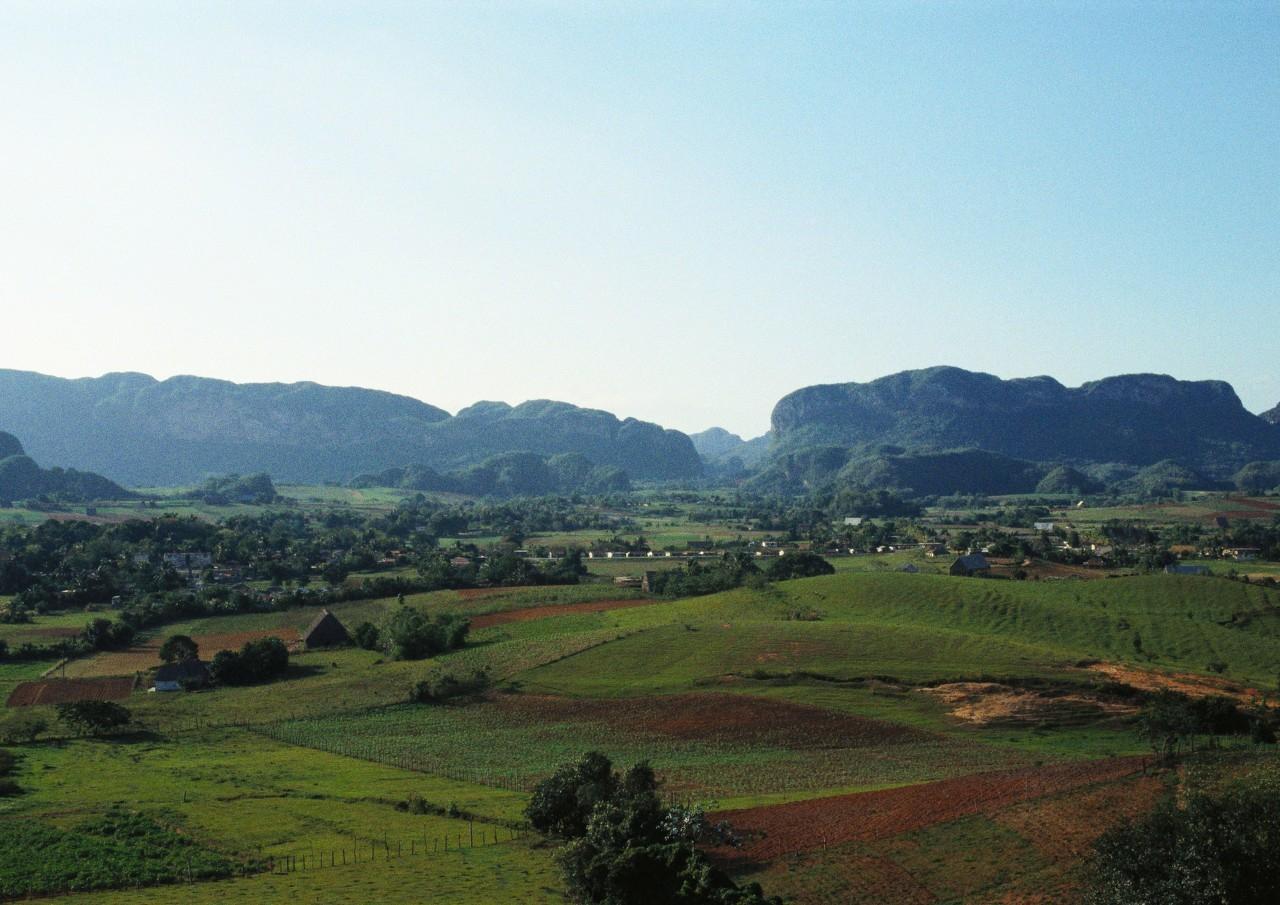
62	691
778	830
720	717
558	609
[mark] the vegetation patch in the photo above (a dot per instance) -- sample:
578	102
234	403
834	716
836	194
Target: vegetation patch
114	850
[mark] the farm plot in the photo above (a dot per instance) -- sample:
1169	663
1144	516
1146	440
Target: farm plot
527	614
778	830
64	691
146	655
705	745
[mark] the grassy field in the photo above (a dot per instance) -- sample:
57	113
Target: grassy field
799	692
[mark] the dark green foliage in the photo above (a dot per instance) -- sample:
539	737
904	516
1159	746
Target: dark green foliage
507	475
1165	479
721	574
94	717
367	636
21	478
798	565
448	687
935	474
253	488
258	661
623	847
1216	849
1065	479
113	851
10	446
411	635
104	634
1258	477
177	648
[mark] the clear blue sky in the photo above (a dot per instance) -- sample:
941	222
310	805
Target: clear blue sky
673	211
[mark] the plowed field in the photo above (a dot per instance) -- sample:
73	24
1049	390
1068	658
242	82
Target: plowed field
778	830
63	691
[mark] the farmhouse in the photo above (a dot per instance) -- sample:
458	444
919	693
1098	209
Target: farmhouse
325	631
970	565
176	676
1241	553
1043	526
853	521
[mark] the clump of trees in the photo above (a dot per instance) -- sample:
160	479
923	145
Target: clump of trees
258	661
448	686
623	847
1170	720
798	565
94	717
1217	848
412	635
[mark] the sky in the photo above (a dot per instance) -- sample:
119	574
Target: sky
673	211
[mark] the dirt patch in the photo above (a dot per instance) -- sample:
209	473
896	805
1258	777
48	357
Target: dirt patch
527	614
63	691
1187	683
720	717
777	830
990	702
1064	827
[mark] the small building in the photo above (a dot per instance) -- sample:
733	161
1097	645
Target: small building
188	562
628	581
1182	569
459	562
970	565
910	568
178	676
325	631
852	521
1242	554
1043	526
647	583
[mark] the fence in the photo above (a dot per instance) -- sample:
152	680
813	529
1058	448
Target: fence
388	850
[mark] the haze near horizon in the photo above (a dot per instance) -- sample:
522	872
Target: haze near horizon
678	213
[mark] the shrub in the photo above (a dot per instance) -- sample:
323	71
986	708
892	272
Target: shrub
799	565
23	728
178	648
447	687
367	636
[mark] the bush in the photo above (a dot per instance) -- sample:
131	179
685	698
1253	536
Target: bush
367	636
447	687
23	728
178	648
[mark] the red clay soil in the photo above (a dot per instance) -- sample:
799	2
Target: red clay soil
719	717
559	609
63	691
777	830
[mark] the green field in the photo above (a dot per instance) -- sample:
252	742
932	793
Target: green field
787	692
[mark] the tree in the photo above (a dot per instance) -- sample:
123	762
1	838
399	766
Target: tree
178	649
1216	849
1165	722
258	661
23	728
623	847
94	717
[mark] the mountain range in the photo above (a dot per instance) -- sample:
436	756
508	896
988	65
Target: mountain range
933	431
146	432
